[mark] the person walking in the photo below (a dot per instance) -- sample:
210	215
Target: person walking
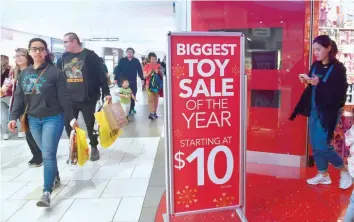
42	95
85	79
128	68
153	74
23	60
322	102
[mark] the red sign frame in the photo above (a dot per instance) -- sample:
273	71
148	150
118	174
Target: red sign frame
205	118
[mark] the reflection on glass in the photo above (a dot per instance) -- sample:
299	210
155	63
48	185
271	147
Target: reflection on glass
263	47
265	98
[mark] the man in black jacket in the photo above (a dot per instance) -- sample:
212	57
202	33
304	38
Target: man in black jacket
85	78
128	68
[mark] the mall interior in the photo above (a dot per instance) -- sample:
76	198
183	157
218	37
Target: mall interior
129	182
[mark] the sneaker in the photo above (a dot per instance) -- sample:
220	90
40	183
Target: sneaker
151	116
6	136
155	116
346	180
44	201
133	111
319	179
34	162
56	182
95	154
21	135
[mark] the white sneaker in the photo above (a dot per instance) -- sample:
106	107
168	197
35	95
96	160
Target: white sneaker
346	180
320	179
21	135
6	136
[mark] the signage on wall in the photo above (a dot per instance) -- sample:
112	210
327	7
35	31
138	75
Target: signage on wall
206	116
57	45
261	32
104	39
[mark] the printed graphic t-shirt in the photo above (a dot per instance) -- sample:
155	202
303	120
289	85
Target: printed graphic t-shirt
74	68
128	92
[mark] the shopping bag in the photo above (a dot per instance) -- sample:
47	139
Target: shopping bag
351	166
349	139
82	147
106	135
72	149
115	115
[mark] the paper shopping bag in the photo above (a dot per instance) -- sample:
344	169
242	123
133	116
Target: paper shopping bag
82	147
106	135
115	115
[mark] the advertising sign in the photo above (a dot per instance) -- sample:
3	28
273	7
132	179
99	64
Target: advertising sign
206	122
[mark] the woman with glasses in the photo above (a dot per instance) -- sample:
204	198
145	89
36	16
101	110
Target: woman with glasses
23	60
42	94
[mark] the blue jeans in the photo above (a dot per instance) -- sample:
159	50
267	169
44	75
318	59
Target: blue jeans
323	152
349	216
47	132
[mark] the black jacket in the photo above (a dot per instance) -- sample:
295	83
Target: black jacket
128	69
330	97
94	77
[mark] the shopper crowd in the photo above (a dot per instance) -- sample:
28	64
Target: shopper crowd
39	98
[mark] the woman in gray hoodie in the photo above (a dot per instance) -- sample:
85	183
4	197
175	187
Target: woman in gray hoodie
41	93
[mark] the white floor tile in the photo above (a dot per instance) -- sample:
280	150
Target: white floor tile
126	188
112	158
142	171
83	189
34	191
9	207
114	172
129	209
92	210
31	174
31	213
78	173
8	174
8	189
134	159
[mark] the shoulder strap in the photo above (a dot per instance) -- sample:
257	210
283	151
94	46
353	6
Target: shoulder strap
34	88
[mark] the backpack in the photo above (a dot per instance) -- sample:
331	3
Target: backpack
155	83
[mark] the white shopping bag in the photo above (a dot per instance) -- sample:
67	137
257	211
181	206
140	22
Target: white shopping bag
351	166
349	140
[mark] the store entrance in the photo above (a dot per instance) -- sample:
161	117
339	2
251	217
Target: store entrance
276	52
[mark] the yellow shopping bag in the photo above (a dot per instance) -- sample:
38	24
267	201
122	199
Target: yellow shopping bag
82	147
107	136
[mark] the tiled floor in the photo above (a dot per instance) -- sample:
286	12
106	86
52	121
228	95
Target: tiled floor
111	189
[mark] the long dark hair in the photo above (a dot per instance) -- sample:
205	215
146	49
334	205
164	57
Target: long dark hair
47	58
326	41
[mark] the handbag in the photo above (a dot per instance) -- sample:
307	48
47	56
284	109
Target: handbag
24	118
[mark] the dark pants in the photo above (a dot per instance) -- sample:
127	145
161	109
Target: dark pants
134	88
37	154
88	111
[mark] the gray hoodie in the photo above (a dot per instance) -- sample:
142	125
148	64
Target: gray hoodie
51	97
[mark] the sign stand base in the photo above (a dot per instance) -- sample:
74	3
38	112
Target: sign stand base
241	214
165	217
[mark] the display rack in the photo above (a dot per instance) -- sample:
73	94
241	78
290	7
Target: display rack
336	19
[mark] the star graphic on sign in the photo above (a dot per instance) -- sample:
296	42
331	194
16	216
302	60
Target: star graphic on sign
236	70
178	133
223	201
187	196
178	71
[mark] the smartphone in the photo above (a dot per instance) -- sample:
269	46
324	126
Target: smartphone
304	76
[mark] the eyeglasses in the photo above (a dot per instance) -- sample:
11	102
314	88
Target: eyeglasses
35	49
19	56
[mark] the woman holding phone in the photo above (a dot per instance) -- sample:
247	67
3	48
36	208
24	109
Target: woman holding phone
42	95
322	102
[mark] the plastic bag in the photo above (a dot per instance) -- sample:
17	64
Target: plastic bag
349	140
106	135
82	147
72	149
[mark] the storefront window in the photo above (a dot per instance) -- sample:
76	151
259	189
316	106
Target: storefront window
336	19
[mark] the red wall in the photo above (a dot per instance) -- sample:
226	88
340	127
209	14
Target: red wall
268	128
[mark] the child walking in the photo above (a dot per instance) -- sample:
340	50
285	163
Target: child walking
126	94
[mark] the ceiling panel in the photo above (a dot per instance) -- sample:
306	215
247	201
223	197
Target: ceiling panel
127	20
